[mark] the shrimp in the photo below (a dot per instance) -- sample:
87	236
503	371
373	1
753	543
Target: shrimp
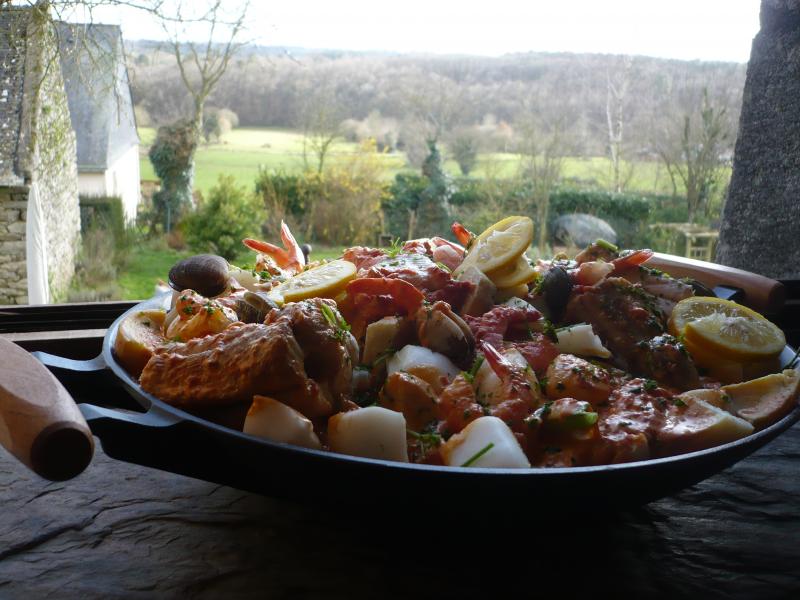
516	381
372	298
463	235
288	260
632	259
518	396
439	249
195	316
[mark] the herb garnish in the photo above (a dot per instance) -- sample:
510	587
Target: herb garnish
549	331
472	459
335	320
394	249
476	365
607	245
426	440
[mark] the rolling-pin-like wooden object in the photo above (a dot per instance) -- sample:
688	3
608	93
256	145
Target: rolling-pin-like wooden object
40	423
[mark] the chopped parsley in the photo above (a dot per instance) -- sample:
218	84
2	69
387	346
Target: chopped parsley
426	440
650	385
335	320
679	402
472	459
549	331
476	365
607	245
394	249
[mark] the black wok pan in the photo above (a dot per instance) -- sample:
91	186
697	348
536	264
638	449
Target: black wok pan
171	439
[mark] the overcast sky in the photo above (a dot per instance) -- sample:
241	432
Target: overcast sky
683	29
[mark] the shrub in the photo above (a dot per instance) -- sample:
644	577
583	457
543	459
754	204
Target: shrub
464	147
221	222
284	197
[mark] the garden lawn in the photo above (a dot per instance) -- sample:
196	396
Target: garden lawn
242	152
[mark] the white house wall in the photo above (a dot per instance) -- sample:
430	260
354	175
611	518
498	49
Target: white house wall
121	179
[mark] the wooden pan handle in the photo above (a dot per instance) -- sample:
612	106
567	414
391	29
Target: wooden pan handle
40	423
761	293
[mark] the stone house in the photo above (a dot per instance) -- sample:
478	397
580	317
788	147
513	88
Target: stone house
39	211
101	108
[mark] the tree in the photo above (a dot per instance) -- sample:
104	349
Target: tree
464	146
616	90
692	150
542	144
172	158
320	117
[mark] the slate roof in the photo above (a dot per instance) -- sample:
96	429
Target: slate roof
13	49
98	92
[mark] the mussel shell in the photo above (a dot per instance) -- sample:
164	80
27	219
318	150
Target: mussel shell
700	288
556	288
206	274
254	307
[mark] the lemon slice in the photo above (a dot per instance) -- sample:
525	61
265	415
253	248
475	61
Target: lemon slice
499	246
519	272
725	328
324	281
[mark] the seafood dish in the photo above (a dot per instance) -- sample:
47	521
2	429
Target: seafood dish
462	353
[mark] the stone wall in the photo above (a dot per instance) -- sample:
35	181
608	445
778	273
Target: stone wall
13	278
761	222
54	169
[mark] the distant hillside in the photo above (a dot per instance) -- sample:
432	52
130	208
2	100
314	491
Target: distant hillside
280	87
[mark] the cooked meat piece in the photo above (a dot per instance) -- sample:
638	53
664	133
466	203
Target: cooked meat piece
228	367
455	293
539	351
631	326
499	323
298	357
629	422
667	290
667	361
330	350
363	257
417	269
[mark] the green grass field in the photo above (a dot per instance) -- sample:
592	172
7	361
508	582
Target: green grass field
242	152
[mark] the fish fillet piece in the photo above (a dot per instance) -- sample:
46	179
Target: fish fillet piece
231	366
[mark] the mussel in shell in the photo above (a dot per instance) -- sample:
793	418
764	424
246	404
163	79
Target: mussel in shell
206	274
254	307
555	288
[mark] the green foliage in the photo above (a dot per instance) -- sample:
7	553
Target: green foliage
283	195
106	244
464	148
102	212
221	222
212	129
172	157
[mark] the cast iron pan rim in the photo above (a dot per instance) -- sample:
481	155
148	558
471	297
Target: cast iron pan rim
147	400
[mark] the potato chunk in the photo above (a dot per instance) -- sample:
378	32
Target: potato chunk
571	377
764	400
138	336
694	424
